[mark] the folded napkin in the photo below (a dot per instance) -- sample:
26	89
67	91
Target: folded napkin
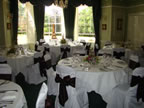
119	64
9	96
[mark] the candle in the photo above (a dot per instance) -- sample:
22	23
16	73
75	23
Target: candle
53	28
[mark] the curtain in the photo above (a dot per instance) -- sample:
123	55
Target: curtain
31	36
69	18
39	11
14	12
96	20
38	2
69	15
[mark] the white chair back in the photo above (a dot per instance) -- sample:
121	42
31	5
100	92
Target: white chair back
64	71
3	60
38	54
40	103
134	61
132	99
33	74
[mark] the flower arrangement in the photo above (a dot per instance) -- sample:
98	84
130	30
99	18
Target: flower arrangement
63	41
91	59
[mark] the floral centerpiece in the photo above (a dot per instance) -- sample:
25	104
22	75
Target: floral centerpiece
63	41
91	58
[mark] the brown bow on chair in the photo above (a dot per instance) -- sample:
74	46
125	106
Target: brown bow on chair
137	80
66	81
65	51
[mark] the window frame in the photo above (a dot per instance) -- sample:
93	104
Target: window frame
49	24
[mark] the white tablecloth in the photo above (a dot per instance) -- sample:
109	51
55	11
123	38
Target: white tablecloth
96	78
5	69
55	51
19	63
17	97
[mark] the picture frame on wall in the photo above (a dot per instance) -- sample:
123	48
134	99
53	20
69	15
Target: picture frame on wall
119	23
104	26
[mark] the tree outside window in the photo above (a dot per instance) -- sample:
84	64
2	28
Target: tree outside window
22	24
84	28
85	21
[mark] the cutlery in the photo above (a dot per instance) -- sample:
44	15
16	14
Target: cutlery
6	102
117	66
3	91
3	83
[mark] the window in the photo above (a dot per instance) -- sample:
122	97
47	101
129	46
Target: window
22	23
26	25
84	24
53	15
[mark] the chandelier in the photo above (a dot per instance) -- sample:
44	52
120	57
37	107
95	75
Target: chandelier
61	3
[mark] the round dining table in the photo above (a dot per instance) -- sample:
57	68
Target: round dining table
101	76
11	95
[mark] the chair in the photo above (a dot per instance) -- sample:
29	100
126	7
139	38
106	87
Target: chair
33	74
67	95
39	45
87	47
118	53
108	44
41	41
38	58
65	51
40	103
31	91
129	95
46	48
83	42
3	60
5	71
96	49
134	62
44	61
79	50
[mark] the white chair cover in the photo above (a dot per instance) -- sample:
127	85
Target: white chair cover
80	50
47	57
40	48
52	85
32	74
134	58
124	96
131	100
46	45
134	61
119	52
72	101
5	69
40	103
42	41
38	54
3	59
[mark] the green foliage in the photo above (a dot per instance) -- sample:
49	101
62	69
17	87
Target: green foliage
86	21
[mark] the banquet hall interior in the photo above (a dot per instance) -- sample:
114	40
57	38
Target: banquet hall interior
71	54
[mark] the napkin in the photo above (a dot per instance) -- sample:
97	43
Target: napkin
9	96
119	64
